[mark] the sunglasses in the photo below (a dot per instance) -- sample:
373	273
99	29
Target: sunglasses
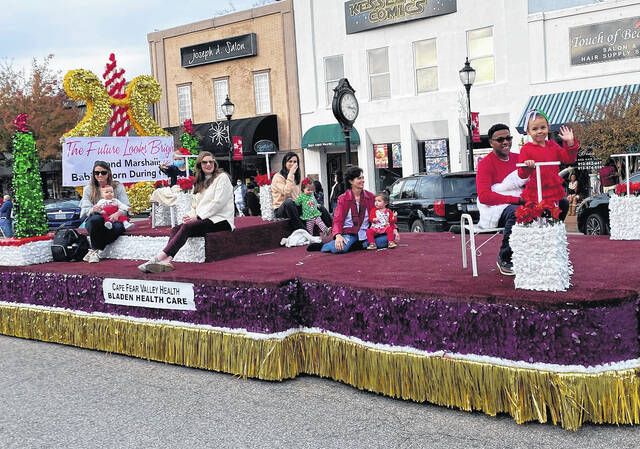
103	172
207	162
502	139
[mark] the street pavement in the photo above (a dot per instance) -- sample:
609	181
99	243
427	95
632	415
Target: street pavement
55	396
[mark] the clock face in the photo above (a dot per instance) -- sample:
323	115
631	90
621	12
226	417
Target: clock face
349	106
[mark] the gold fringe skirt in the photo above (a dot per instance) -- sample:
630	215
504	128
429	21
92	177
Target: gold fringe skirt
567	399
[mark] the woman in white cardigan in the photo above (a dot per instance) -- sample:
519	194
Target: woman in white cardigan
212	211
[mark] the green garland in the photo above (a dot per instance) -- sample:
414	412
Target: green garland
30	217
190	142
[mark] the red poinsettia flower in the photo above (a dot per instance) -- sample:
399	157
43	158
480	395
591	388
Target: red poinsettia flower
186	183
264	180
184	151
188	126
160	183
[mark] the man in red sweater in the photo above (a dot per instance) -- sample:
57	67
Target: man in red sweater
498	205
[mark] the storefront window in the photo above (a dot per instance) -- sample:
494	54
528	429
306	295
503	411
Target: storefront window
220	92
184	103
425	61
388	164
262	91
480	47
379	77
333	72
435	156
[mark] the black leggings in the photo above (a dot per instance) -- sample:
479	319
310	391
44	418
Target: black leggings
288	209
196	228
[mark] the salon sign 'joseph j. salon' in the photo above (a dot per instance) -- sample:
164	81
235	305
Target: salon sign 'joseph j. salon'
221	50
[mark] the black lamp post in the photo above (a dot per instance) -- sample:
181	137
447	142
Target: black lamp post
467	77
227	109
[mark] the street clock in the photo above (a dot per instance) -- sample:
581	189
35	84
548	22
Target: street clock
345	105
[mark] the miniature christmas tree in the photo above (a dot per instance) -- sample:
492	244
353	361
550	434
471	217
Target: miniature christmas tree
189	141
30	217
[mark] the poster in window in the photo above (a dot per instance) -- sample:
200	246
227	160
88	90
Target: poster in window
435	148
436	165
381	157
396	155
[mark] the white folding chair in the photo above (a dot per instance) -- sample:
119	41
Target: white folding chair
466	225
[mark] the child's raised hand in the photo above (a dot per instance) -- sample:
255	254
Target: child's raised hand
395	214
530	163
374	220
566	134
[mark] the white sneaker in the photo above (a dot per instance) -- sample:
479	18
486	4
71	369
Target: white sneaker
94	258
159	266
127	225
154	265
108	224
88	255
143	266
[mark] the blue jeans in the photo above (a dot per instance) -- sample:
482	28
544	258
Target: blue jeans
6	225
350	239
507	220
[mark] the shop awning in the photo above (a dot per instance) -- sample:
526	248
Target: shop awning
561	107
216	138
328	136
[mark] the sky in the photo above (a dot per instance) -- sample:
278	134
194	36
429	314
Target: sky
81	34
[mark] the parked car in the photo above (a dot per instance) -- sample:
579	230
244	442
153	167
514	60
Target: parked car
434	202
593	212
63	211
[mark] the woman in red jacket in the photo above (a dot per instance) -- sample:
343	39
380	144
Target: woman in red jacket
351	217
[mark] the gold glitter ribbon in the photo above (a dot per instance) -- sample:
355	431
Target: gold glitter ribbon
566	399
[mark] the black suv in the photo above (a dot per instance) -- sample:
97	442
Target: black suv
434	202
593	212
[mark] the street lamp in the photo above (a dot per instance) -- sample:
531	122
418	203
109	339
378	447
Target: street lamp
467	77
227	109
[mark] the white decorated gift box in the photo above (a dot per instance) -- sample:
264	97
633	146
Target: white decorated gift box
541	256
624	217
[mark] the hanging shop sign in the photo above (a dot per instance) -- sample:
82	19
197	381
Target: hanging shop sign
265	146
606	41
362	15
221	50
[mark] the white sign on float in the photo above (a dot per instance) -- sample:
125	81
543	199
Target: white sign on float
132	159
154	294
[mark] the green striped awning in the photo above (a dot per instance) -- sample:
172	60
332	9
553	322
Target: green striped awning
561	107
328	136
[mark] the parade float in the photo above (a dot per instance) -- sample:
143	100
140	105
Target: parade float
406	323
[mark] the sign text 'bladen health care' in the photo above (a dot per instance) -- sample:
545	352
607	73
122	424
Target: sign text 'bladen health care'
154	294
